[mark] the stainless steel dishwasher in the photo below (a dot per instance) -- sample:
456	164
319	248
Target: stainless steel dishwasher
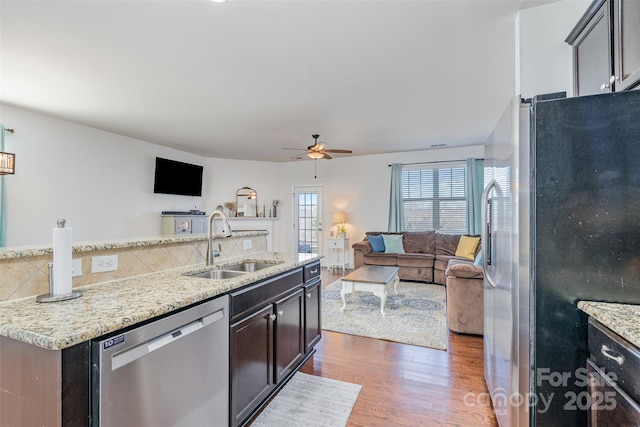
170	372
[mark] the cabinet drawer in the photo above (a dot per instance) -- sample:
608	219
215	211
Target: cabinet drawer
609	406
615	355
338	243
311	271
247	300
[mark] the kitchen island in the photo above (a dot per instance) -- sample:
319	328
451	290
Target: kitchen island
613	365
45	359
623	319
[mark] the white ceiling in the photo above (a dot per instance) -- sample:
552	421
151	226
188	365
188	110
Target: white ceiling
243	79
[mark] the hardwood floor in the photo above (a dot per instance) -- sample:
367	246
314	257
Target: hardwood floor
405	385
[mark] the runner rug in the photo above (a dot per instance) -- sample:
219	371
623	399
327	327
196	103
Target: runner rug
417	315
308	400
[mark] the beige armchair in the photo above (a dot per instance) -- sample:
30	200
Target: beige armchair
465	297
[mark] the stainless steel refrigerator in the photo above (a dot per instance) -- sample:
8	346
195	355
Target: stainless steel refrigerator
561	224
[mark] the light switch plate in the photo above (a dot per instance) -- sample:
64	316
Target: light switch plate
76	267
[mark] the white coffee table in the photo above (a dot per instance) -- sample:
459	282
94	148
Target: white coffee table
370	278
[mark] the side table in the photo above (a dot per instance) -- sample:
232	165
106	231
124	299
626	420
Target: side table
339	252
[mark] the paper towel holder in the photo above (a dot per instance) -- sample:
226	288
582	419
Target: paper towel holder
51	297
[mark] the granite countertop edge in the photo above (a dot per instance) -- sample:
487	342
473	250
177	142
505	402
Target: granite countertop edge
111	306
39	250
623	319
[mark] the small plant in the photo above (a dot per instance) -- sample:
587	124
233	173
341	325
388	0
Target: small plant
232	208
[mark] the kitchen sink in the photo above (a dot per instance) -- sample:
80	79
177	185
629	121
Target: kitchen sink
234	270
219	274
249	266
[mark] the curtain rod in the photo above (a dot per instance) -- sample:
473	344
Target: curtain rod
435	161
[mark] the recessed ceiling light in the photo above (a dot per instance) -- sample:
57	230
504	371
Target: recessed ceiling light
218	1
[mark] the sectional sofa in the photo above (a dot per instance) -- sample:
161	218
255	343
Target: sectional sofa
426	255
430	256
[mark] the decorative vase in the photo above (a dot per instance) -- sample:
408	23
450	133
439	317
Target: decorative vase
343	235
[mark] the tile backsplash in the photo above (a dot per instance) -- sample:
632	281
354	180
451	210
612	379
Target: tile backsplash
28	276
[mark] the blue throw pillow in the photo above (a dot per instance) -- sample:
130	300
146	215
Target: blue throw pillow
393	243
377	243
478	260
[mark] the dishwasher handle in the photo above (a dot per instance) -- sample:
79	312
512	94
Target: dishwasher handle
134	353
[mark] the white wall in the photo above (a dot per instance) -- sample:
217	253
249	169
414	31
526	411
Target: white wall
545	60
357	185
102	183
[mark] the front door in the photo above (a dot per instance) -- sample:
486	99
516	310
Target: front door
308	219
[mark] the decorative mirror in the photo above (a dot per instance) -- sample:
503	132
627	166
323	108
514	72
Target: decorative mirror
247	202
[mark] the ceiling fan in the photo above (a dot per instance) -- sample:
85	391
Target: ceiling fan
317	150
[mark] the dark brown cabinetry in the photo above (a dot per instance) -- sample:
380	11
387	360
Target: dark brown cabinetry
626	44
312	304
269	323
289	331
613	374
606	47
251	363
312	324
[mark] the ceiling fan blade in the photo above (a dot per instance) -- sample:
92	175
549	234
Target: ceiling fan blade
326	156
297	149
327	150
299	156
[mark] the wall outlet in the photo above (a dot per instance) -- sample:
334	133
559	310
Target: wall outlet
247	244
100	264
76	267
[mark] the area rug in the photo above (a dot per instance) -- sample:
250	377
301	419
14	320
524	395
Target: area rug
417	315
307	400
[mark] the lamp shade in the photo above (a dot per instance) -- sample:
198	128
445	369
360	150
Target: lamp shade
339	217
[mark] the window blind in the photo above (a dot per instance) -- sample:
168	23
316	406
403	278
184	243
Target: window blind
435	198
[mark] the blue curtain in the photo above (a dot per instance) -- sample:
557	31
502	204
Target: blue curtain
475	185
3	204
396	212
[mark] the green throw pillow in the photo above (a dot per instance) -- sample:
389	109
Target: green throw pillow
393	243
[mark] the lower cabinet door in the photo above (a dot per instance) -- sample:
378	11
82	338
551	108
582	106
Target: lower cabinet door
251	373
609	406
312	314
289	347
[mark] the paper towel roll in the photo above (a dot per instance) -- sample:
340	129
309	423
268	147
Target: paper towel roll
62	241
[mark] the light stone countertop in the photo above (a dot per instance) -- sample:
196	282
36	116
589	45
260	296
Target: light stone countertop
110	306
623	319
27	251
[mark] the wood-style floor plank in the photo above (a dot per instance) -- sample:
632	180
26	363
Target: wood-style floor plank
405	385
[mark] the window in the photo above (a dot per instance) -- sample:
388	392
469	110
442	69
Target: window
435	198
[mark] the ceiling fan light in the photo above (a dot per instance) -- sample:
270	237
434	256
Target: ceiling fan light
315	155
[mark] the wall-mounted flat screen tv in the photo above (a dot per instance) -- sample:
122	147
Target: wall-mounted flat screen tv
173	177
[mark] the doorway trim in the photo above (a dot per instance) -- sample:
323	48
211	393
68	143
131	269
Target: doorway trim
317	244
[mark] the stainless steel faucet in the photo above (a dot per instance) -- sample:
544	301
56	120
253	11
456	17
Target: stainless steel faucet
211	254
